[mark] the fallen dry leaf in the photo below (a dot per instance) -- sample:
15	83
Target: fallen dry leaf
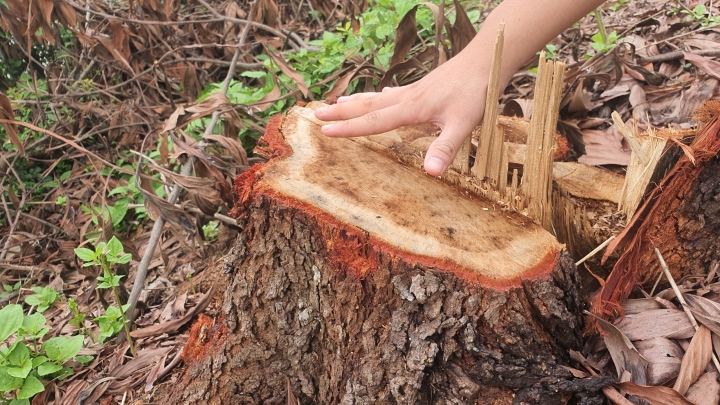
664	357
172	326
706	390
624	355
657	395
669	323
695	360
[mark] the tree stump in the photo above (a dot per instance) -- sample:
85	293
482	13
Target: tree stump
359	280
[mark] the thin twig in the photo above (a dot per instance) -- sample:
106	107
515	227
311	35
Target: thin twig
595	251
141	274
680	298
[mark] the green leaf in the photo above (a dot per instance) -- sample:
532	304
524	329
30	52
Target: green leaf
19	356
62	348
85	255
20	402
11	318
33	324
84	360
48	368
8	382
20	372
123	259
31	387
38	361
253	74
114	247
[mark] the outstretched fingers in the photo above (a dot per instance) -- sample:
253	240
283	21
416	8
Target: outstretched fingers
357	105
370	123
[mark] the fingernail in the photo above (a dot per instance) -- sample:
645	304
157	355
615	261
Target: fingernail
343	99
321	110
434	166
328	127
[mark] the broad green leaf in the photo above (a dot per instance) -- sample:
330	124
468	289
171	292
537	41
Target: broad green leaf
114	247
38	361
11	318
33	300
48	368
20	402
20	371
85	255
31	387
33	324
62	348
19	356
123	259
8	382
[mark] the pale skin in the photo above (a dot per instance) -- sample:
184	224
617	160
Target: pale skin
453	95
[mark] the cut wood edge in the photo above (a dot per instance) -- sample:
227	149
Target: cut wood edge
420	219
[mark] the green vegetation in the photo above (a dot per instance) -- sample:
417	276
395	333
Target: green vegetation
700	14
106	255
24	362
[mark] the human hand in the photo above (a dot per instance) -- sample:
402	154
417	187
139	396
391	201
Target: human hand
451	97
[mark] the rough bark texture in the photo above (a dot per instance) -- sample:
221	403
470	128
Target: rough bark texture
681	218
335	314
404	334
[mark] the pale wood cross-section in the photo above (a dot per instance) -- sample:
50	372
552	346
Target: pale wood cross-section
419	214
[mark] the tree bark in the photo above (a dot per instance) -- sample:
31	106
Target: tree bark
681	218
358	280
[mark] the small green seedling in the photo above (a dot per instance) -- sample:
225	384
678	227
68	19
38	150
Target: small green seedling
111	323
106	255
700	14
10	288
43	298
210	230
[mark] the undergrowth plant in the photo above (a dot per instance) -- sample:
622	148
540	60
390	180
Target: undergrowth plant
107	255
25	362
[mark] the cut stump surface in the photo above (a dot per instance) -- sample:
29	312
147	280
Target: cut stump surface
358	280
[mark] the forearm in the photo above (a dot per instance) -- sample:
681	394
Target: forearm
529	25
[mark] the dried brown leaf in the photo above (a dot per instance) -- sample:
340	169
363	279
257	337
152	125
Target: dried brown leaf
658	395
290	72
669	323
705	312
233	146
174	325
154	371
623	353
664	356
462	31
603	147
711	67
291	399
270	98
157	207
706	391
6	112
183	115
636	306
695	360
405	36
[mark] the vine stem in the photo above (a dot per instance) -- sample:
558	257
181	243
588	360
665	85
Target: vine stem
601	25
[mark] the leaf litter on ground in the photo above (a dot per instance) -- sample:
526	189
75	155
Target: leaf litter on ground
156	92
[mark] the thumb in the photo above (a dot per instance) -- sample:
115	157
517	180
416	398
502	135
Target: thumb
442	151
